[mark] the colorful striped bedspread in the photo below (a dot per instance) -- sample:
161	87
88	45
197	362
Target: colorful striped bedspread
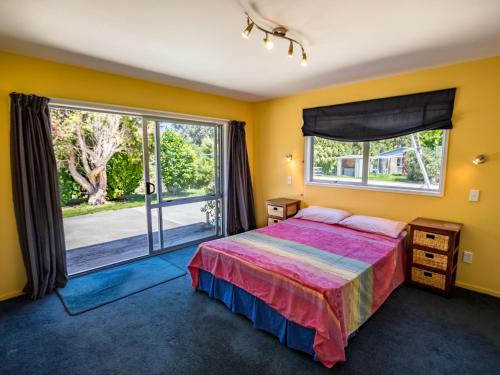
321	276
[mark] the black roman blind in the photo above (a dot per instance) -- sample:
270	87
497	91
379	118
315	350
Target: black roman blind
376	119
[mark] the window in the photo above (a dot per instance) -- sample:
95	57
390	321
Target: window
412	163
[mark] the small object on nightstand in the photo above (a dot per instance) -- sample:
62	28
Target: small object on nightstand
279	209
433	254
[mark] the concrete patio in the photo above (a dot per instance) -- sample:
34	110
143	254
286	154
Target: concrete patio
104	238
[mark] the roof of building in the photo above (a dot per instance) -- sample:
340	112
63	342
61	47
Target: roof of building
395	152
350	157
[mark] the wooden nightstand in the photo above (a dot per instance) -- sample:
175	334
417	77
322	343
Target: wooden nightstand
279	209
433	254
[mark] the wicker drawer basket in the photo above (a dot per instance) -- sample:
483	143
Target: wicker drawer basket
275	211
271	221
431	240
430	259
434	279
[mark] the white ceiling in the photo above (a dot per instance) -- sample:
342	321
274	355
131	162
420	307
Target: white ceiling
197	43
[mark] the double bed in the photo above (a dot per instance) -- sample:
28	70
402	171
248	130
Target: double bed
309	283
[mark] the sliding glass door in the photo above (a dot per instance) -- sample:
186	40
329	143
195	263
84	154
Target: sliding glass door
99	156
183	179
132	186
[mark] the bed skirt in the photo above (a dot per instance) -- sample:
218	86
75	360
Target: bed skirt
263	316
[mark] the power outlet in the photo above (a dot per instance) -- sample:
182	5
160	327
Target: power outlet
289	180
467	258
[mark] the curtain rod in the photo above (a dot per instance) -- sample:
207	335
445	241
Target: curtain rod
113	108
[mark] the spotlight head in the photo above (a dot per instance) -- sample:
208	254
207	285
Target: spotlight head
479	159
268	42
304	59
248	30
290	49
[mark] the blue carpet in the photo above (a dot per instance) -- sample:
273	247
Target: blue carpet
171	329
87	292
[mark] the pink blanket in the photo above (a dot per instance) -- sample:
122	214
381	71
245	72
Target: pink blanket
321	276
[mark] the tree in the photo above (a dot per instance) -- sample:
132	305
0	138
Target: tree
194	134
69	189
419	154
125	168
177	162
432	162
431	139
326	152
204	164
85	142
376	147
428	147
124	174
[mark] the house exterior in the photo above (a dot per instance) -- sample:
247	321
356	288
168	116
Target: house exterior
350	165
390	162
387	162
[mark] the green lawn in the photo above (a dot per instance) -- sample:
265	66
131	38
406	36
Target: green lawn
81	207
388	177
380	177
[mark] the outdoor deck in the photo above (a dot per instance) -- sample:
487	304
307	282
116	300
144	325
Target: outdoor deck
89	257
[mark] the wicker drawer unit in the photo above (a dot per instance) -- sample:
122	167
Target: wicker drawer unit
279	209
433	254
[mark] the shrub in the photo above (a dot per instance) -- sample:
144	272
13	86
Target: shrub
431	158
210	207
69	189
204	172
178	167
124	174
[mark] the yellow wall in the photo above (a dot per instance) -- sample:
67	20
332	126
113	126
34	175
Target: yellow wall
274	130
476	130
28	75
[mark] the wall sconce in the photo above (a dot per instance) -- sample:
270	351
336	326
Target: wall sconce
289	157
479	159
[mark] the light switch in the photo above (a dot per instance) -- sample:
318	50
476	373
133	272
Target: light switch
473	195
289	180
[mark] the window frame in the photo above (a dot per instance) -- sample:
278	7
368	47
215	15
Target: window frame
363	184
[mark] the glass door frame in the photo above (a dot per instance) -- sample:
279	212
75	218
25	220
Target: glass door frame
144	113
218	197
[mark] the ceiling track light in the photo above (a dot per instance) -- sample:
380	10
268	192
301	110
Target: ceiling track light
277	32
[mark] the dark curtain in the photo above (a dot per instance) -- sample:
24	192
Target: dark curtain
376	119
241	209
36	195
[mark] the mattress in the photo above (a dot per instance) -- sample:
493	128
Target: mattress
323	277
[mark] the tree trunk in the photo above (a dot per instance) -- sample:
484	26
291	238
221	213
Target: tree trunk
98	194
418	154
98	197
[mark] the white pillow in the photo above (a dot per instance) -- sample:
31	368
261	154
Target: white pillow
322	214
372	224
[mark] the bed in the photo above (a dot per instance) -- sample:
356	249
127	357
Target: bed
311	284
